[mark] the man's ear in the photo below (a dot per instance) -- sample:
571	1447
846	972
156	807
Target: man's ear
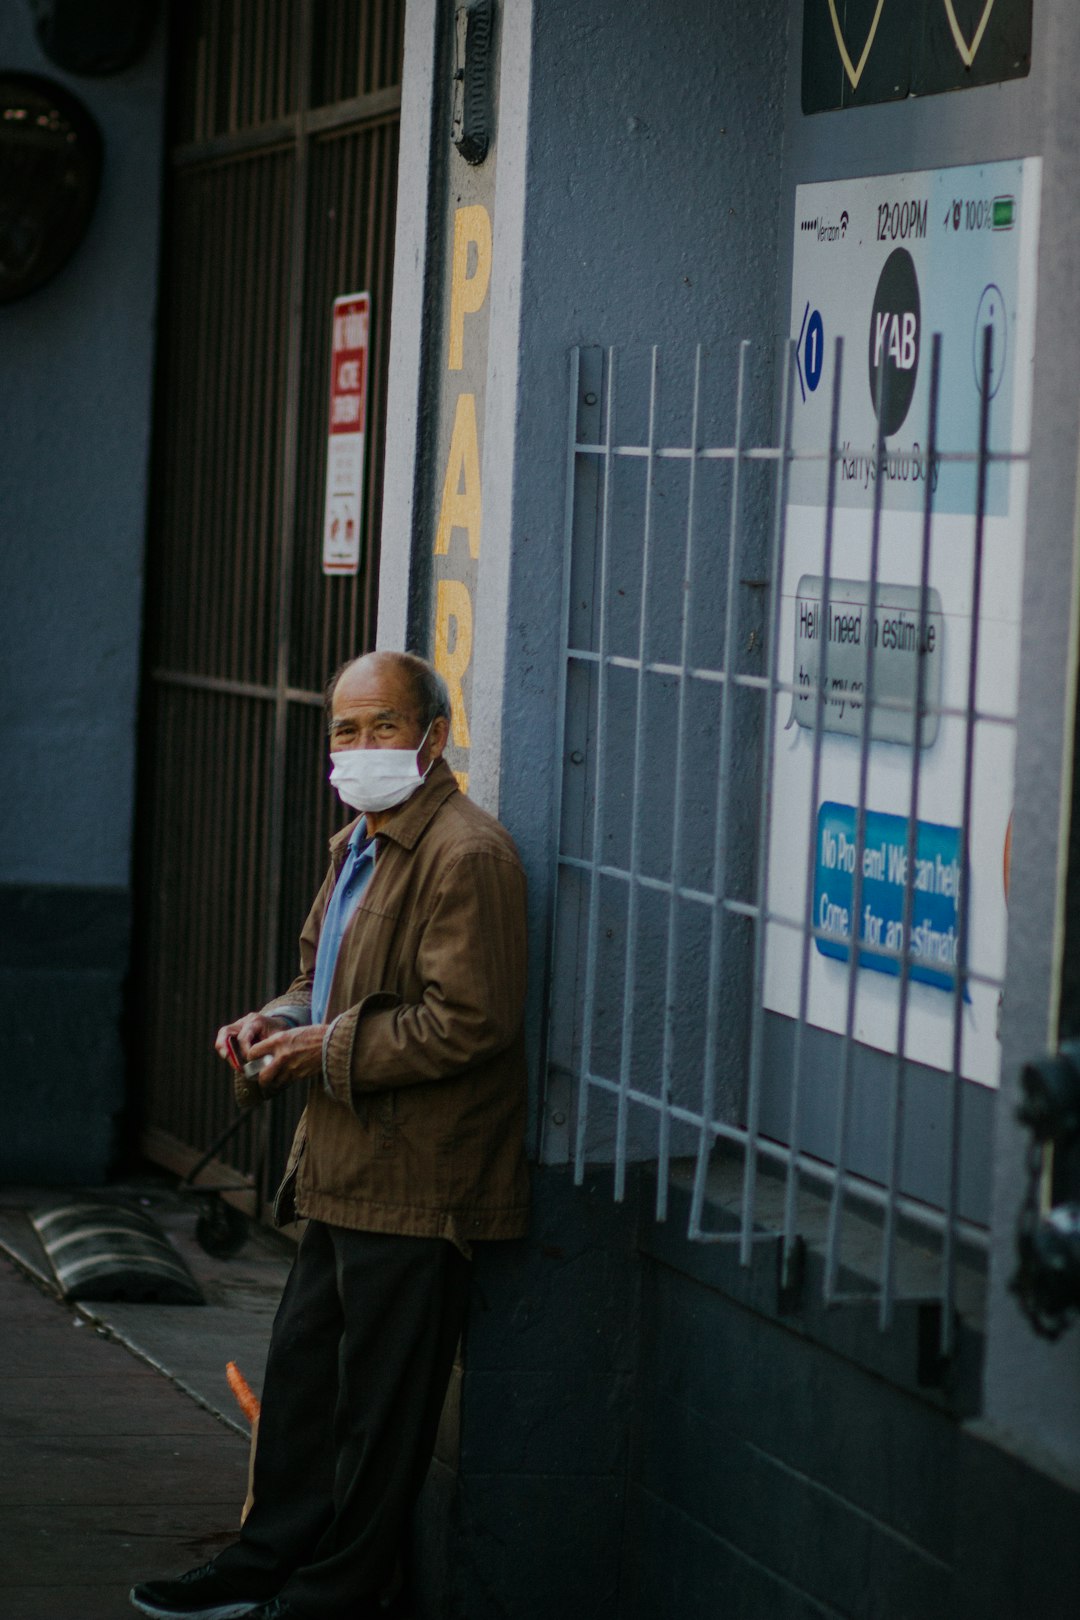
438	737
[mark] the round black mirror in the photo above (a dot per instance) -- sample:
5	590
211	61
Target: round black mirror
50	170
94	36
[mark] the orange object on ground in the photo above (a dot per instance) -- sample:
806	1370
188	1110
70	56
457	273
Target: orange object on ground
246	1398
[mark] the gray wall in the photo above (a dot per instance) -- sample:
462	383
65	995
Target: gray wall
647	165
650	208
791	1461
636	199
1032	1398
594	243
651	200
77	359
650	216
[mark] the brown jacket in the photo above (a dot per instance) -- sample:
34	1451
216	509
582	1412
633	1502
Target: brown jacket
417	1123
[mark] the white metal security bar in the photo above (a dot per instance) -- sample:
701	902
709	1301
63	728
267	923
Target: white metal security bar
614	550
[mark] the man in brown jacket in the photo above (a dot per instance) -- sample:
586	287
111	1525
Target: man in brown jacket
405	1022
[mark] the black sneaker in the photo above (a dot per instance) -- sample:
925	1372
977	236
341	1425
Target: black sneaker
201	1594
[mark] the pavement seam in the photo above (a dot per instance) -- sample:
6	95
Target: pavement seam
76	1308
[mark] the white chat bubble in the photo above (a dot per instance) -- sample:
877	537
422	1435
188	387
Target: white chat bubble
897	640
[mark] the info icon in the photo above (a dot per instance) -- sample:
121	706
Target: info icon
814	351
894	339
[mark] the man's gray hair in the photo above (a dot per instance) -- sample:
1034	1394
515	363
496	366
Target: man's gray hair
431	694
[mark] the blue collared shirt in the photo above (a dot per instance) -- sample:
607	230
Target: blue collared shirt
353	879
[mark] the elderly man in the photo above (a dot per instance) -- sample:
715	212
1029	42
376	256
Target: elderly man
406	1024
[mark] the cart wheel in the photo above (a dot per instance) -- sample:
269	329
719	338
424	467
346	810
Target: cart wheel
221	1230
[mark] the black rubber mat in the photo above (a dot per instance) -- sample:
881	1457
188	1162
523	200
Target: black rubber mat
103	1251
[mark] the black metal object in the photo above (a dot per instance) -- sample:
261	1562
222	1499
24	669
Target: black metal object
94	37
284	165
51	155
1047	1280
471	126
862	53
1051	1086
220	1228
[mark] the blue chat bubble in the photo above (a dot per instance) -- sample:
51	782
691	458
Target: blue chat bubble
933	947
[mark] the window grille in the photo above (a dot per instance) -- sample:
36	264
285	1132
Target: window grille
679	689
284	156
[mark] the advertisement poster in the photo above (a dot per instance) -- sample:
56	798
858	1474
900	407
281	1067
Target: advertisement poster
344	502
885	263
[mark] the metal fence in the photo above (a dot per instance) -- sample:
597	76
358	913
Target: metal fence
282	191
673	917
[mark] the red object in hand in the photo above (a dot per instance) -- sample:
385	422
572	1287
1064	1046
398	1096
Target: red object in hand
235	1059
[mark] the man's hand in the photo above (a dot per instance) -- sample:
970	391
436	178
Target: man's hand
254	1026
296	1054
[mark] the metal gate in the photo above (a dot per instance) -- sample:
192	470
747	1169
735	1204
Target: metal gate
673	716
285	120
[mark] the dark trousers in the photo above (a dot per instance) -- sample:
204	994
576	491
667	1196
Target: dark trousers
360	1358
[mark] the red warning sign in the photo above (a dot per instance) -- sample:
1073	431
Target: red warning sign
343	510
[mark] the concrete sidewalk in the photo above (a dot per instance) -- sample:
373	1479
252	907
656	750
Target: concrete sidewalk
122	1454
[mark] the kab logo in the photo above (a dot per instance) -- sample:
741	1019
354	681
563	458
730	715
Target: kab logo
894	339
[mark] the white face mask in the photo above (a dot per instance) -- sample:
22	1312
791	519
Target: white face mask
375	779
